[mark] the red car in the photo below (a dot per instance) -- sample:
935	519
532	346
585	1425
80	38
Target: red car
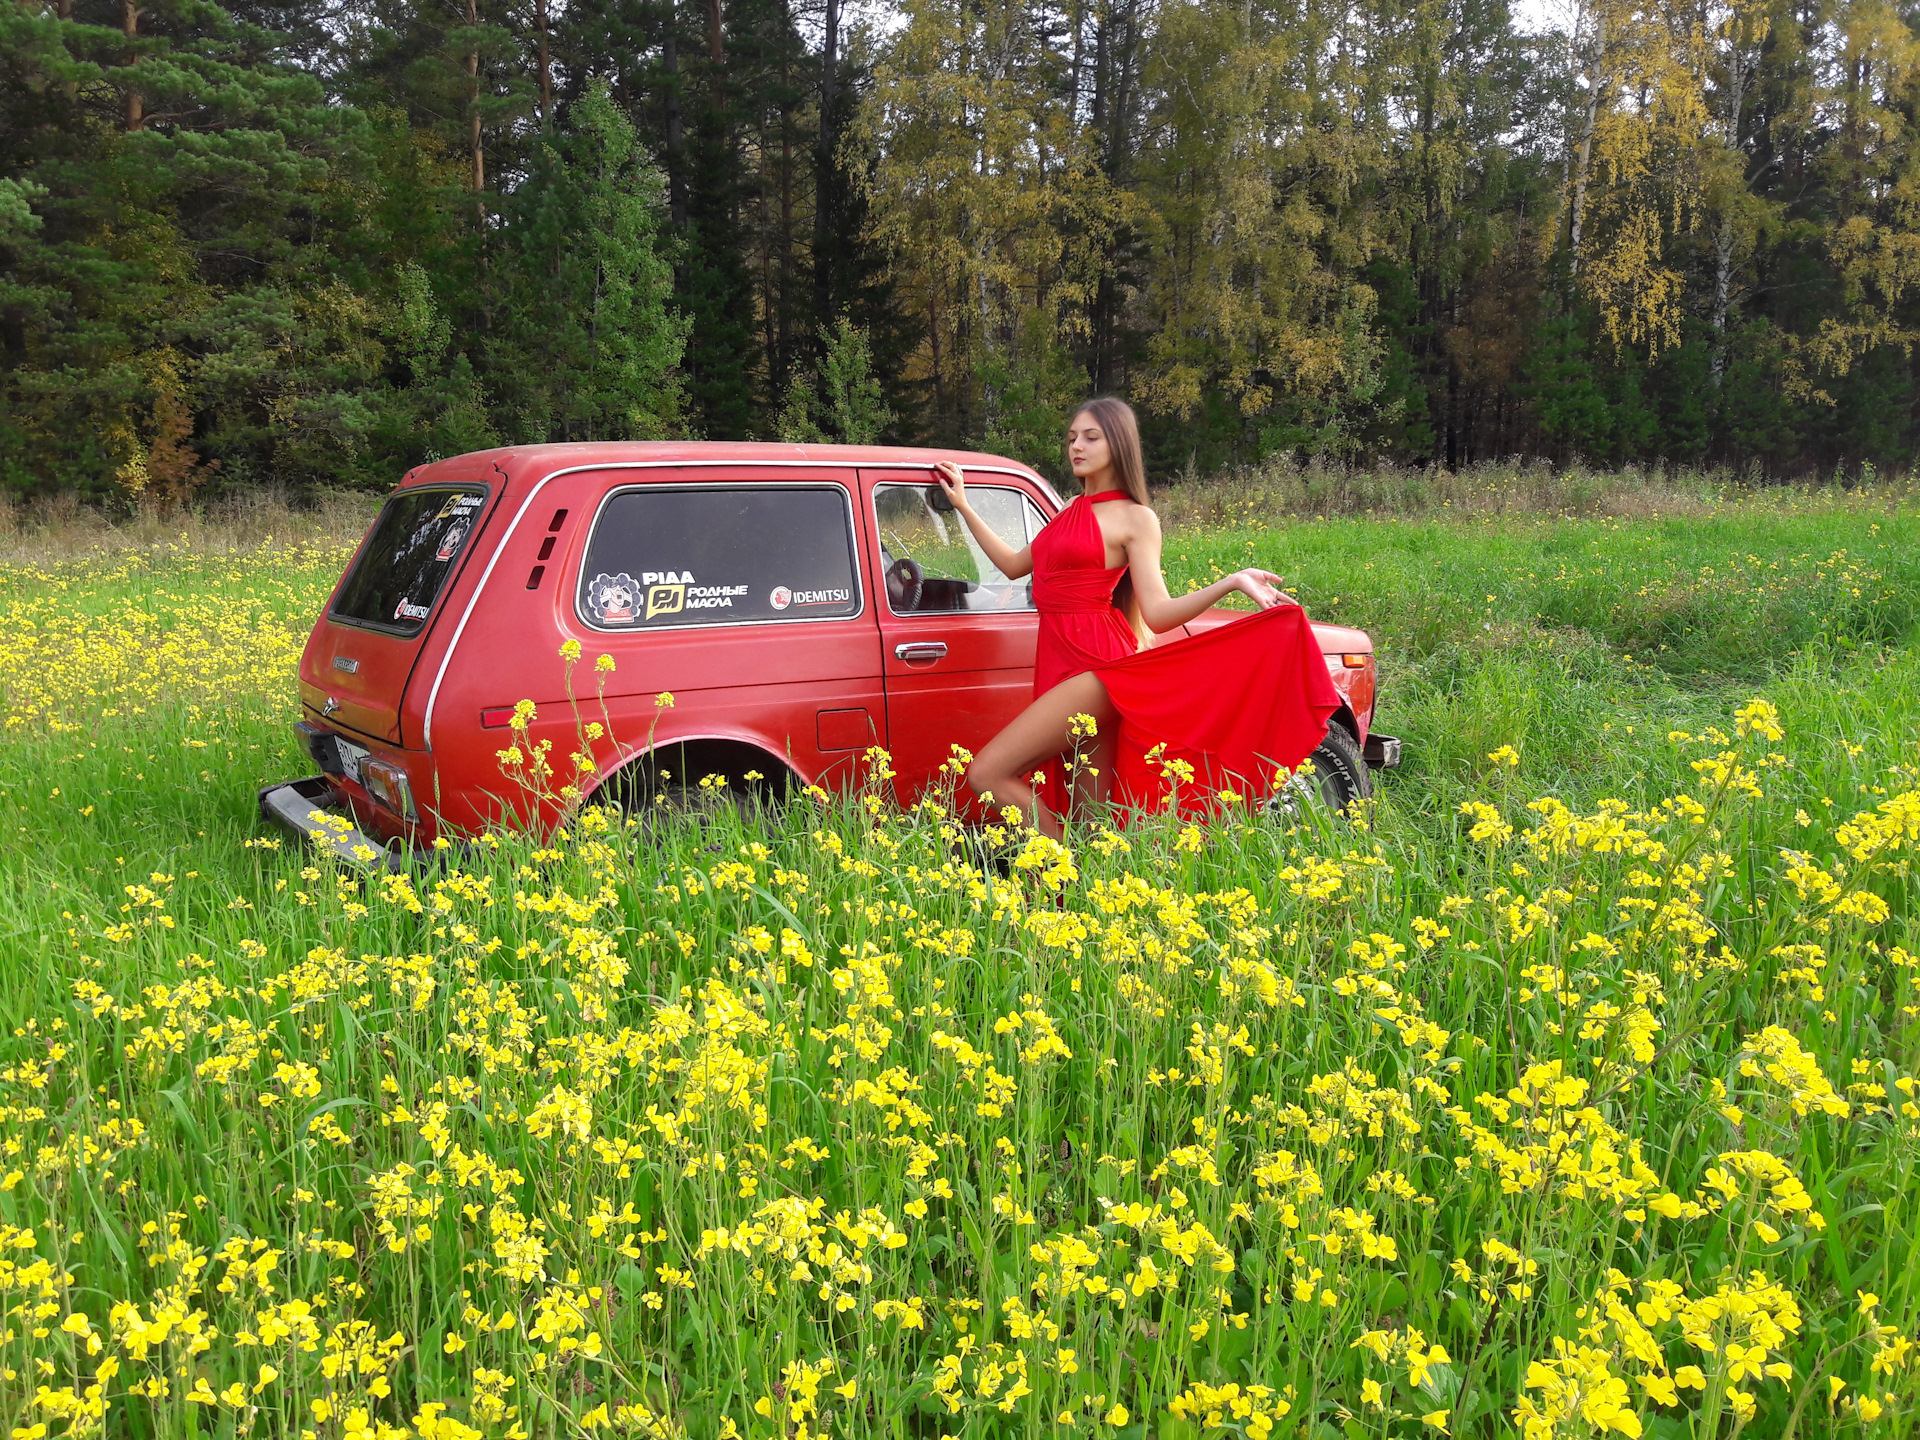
799	603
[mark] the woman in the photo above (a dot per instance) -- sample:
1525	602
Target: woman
1100	554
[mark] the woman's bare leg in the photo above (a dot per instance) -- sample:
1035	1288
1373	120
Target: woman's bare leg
1092	782
1037	734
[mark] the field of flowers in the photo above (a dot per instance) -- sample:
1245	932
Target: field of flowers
1571	1092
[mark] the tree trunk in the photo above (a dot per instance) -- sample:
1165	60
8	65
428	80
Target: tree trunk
784	357
1120	128
546	66
1097	113
478	177
825	165
64	11
1583	154
136	103
1077	13
933	337
1723	239
676	128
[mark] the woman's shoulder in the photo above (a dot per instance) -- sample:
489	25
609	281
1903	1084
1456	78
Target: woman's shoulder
1140	519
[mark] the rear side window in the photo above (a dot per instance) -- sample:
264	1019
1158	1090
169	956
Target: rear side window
666	558
414	546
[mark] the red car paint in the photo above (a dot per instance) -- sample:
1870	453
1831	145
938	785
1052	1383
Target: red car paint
783	693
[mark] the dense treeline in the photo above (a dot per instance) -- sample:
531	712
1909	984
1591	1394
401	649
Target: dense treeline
271	242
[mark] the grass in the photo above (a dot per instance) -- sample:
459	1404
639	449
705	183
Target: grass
1487	1119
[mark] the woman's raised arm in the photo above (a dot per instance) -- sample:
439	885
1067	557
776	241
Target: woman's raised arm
1012	563
1164	612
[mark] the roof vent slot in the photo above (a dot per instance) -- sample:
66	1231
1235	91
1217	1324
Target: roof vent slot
533	578
546	548
559	517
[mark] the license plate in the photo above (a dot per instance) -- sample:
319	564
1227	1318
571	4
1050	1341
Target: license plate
350	757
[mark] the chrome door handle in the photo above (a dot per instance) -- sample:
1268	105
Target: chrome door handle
921	650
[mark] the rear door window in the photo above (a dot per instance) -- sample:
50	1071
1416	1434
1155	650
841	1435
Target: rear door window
931	560
665	557
411	551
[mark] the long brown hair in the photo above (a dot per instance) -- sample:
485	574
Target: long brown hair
1116	422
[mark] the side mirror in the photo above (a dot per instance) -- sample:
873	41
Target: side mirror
938	502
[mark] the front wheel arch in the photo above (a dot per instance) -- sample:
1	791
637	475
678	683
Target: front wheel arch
1340	780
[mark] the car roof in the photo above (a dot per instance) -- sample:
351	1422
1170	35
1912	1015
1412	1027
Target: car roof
528	462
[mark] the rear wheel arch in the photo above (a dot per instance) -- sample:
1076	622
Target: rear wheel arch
681	764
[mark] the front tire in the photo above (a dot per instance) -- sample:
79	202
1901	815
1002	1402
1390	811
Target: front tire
1338	781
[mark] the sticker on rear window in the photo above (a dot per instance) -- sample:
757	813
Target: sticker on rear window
784	596
409	555
615	599
610	598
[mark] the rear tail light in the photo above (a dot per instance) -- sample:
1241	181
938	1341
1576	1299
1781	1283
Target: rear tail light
387	783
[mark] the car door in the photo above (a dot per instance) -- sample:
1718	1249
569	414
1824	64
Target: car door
360	656
740	593
956	635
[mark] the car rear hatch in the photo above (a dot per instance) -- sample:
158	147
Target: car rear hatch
358	662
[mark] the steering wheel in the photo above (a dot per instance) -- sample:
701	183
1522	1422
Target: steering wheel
905	584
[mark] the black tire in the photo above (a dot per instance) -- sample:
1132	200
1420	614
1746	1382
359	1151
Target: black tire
1340	778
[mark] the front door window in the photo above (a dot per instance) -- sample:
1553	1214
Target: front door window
932	563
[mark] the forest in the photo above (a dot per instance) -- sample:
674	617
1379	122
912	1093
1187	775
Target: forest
263	243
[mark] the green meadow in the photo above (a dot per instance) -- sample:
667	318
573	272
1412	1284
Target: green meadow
1566	1091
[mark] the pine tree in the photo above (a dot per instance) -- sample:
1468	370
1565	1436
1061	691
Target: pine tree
169	319
610	342
715	290
842	402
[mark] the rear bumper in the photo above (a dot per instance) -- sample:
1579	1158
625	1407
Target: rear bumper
1382	752
317	812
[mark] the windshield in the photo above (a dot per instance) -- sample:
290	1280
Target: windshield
414	546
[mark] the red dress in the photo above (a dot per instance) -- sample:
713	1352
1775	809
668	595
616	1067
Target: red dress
1237	703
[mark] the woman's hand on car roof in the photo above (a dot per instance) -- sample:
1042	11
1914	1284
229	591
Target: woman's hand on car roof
953	483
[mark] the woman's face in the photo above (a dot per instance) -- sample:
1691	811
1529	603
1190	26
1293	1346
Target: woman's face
1087	448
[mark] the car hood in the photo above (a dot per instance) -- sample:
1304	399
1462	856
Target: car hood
1333	639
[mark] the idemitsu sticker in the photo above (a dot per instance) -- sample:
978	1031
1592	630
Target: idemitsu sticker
611	599
785	596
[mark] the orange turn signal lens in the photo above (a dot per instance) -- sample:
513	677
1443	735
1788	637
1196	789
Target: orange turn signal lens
1356	662
387	783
